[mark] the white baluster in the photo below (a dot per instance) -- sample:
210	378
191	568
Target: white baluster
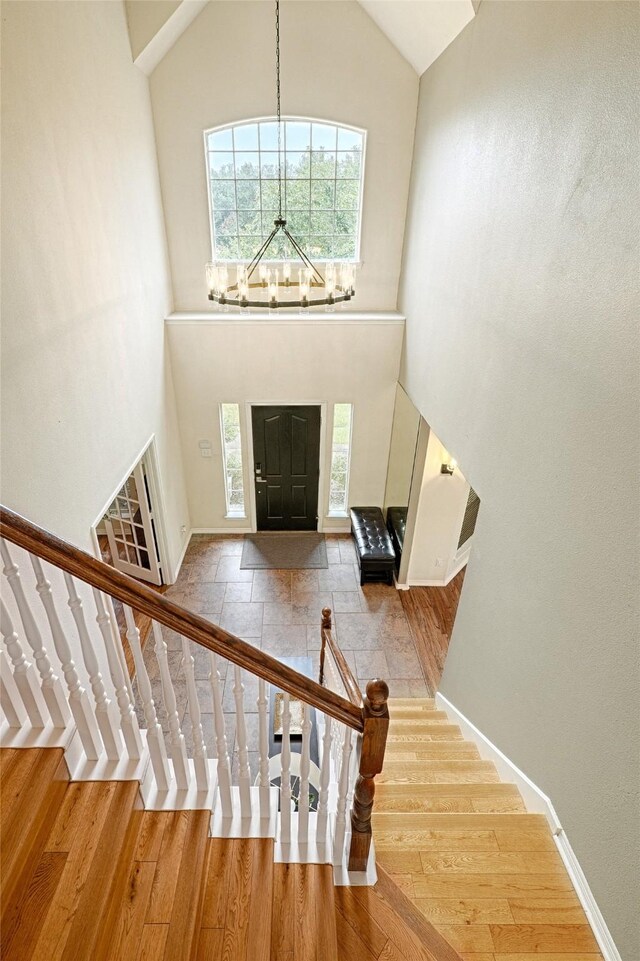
244	777
199	747
325	774
178	747
263	746
108	729
12	703
78	697
224	766
50	683
24	672
155	737
128	719
343	790
305	757
285	773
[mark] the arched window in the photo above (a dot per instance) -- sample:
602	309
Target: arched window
322	174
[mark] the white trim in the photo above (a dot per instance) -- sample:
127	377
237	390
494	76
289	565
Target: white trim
185	548
168	34
537	802
221	530
425	583
256	316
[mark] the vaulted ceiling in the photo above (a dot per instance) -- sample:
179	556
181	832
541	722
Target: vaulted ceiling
419	29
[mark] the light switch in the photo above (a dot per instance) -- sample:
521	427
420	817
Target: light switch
205	452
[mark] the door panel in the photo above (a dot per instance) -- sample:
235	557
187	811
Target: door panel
286	456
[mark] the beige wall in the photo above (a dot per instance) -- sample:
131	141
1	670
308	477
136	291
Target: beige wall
85	287
520	278
287	361
336	65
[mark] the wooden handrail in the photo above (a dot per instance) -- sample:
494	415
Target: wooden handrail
350	684
92	571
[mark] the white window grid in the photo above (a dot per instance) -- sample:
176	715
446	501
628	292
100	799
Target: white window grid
241	247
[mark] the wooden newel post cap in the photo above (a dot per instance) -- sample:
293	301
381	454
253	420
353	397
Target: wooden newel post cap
377	694
326	618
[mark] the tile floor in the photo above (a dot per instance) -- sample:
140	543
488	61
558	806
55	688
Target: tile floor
279	612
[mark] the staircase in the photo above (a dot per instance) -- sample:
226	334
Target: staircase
461	846
88	874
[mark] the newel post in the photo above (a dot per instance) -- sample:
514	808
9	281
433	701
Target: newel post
325	625
372	744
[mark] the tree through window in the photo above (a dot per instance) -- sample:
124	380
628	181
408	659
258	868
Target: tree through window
322	170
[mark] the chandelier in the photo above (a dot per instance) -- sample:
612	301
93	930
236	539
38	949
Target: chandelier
290	283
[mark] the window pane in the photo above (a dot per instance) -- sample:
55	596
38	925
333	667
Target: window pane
298	135
347	194
225	222
346	222
270	194
226	247
223	194
269	164
298	223
232	457
323	164
322	195
298	195
298	165
249	223
323	136
247	246
221	165
322	222
248	193
268	216
221	140
247	165
349	139
348	166
344	247
319	248
268	136
246	137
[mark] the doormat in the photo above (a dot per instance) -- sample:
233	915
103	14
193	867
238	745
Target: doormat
283	552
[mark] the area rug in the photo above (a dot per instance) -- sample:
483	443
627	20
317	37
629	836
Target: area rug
283	552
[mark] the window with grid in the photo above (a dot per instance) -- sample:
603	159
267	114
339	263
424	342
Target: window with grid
340	459
232	458
322	171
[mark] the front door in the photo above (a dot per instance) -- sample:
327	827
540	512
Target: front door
286	461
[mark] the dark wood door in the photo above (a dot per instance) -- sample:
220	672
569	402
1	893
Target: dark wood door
286	461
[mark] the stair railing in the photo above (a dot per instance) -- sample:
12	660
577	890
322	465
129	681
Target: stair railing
61	603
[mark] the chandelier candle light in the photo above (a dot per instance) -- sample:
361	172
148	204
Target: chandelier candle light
273	285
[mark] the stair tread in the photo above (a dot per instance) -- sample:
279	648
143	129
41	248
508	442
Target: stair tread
303	918
90	826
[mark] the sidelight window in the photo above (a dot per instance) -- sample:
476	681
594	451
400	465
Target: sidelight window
340	459
232	459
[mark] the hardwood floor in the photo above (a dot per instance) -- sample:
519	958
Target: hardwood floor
431	612
462	848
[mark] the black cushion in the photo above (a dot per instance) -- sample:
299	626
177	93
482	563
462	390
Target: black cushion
370	534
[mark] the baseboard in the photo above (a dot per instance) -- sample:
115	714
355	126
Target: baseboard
182	556
220	530
425	583
537	802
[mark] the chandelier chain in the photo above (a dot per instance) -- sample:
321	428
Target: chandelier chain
278	108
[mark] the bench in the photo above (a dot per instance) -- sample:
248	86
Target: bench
376	556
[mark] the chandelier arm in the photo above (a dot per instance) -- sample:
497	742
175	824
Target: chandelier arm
303	256
258	257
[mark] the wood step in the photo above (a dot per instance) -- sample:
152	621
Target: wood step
237	894
88	832
33	786
436	771
480	798
160	885
412	703
432	732
425	750
303	914
418	720
382	923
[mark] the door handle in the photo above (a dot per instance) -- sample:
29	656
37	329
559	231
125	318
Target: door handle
259	480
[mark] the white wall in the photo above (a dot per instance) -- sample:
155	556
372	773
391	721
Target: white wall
336	65
441	507
287	361
85	287
520	290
